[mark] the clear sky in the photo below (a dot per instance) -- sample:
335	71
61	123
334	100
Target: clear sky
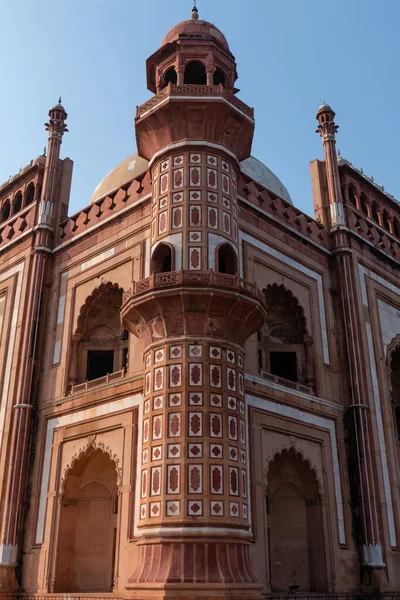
291	54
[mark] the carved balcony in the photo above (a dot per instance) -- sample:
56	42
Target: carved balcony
199	303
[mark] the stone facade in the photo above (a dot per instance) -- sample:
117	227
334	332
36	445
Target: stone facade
199	382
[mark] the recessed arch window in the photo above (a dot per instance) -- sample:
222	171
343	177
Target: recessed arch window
17	202
283	350
30	194
352	196
170	76
219	77
226	259
385	220
161	261
101	342
364	204
374	212
396	228
195	73
5	211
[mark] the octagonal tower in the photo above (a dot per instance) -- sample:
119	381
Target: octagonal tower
194	314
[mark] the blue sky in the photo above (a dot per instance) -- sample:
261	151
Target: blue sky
291	56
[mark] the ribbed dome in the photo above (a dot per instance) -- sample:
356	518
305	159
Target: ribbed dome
133	166
195	28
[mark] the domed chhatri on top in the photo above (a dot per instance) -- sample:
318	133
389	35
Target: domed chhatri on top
195	28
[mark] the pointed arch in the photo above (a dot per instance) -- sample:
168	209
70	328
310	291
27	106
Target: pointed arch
100	343
284	344
295	524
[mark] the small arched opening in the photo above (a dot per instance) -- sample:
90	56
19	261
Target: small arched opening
195	73
396	228
30	194
219	77
364	205
352	196
88	526
374	212
385	220
17	202
296	541
161	261
5	211
226	260
170	76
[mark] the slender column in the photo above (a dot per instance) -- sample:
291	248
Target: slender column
359	414
12	508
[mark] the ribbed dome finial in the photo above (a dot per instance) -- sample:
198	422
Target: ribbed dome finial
195	13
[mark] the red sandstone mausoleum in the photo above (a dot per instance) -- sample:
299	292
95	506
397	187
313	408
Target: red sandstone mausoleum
199	383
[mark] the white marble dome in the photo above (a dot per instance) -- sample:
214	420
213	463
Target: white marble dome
134	165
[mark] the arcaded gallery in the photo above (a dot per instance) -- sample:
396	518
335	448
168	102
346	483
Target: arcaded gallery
200	384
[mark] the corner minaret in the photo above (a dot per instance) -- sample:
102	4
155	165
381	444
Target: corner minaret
12	514
327	129
49	212
359	404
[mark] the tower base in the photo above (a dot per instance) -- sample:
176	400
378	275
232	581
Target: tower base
193	570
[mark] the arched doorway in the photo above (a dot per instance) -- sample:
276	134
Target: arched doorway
295	531
227	260
88	526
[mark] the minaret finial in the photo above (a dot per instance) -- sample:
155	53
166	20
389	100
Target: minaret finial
59	100
195	13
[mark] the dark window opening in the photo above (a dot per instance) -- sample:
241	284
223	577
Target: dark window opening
195	73
375	213
30	194
352	197
227	262
5	211
397	415
17	202
99	363
385	220
162	259
284	364
219	77
170	76
396	228
364	205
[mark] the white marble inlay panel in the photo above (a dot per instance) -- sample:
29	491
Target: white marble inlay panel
97	259
245	237
363	272
19	271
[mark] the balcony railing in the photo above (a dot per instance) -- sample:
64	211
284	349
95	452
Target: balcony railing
199	91
87	385
192	278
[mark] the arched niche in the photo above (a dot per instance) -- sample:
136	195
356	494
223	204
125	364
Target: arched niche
17	202
5	210
226	259
195	73
285	347
219	77
100	343
87	535
30	194
295	525
170	76
162	260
